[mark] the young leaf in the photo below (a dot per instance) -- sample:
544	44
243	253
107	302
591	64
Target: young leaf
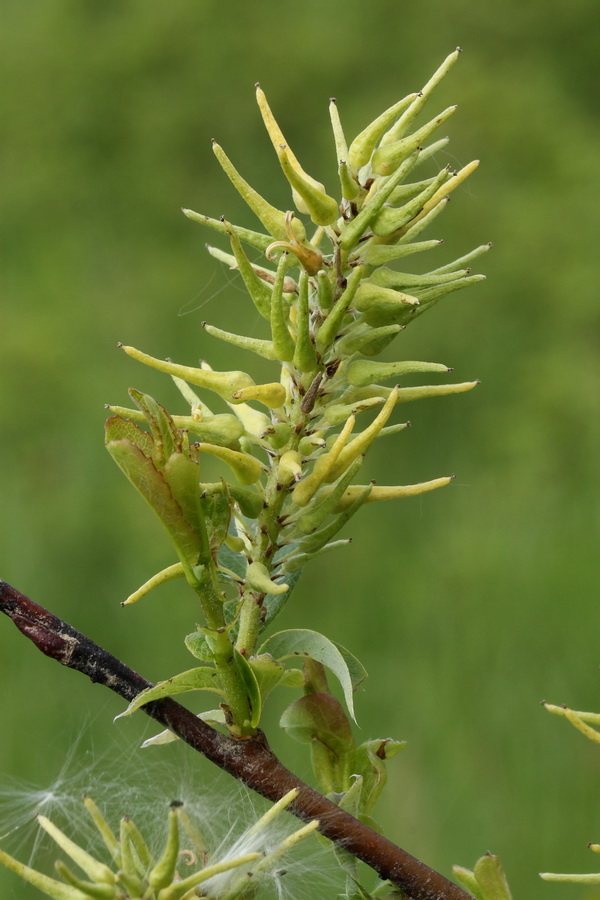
297	642
201	679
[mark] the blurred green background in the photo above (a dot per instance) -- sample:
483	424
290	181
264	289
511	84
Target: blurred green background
467	606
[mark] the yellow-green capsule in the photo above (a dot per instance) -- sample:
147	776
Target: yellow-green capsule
289	467
309	485
163	872
381	304
341	146
352	230
379	254
325	294
445	189
401	126
257	578
405	395
322	208
360	444
351	189
332	324
364	143
363	339
361	372
283	343
319	539
392	492
49	886
246	468
305	357
386	159
339	412
390	219
462	261
391	278
255	345
253	238
273	219
222	383
323	505
162	577
95	870
309	194
260	292
279	434
272	395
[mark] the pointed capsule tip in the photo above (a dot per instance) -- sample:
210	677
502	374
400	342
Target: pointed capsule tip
332	100
257	84
120	344
459	50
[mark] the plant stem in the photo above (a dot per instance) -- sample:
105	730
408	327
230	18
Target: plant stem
249	760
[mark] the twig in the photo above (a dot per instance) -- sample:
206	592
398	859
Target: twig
249	760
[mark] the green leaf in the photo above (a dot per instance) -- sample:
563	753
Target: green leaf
369	763
303	642
117	428
319	717
198	646
268	672
201	679
491	878
250	681
145	477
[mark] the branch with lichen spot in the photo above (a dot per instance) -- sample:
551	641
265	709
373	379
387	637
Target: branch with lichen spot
250	760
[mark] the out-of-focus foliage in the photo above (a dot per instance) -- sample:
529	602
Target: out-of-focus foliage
108	111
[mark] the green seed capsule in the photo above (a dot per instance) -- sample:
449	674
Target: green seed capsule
222	383
257	578
273	219
386	159
322	208
255	345
256	286
272	395
391	219
305	357
393	492
400	128
363	338
378	254
352	230
325	292
253	238
283	343
362	146
322	507
309	485
164	871
246	468
361	443
382	306
333	322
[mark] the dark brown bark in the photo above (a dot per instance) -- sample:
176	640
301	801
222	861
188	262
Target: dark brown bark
249	760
